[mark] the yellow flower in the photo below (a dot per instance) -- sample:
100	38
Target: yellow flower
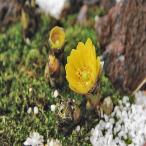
57	37
83	68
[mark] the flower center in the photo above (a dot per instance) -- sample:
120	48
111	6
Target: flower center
55	38
84	74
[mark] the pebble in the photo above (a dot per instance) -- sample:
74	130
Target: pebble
29	110
56	93
131	124
53	108
35	110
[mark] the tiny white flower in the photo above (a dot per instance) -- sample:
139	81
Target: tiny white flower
53	108
30	89
56	93
53	142
35	139
35	110
29	110
78	128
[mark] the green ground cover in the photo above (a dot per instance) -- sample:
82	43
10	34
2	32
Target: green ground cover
22	84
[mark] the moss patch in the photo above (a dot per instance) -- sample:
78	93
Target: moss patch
22	84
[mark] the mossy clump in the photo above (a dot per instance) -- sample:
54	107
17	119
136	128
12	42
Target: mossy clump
34	59
77	34
20	90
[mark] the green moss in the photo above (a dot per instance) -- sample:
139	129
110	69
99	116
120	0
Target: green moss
33	58
77	34
19	91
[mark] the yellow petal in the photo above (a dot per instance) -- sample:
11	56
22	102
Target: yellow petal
70	71
75	59
90	47
78	88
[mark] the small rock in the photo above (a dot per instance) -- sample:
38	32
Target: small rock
56	93
36	110
53	108
78	128
29	110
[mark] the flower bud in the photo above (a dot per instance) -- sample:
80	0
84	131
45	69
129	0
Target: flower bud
88	105
24	19
54	65
57	37
77	114
107	106
94	100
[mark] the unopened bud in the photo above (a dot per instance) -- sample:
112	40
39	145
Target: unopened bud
57	37
107	106
77	114
54	65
